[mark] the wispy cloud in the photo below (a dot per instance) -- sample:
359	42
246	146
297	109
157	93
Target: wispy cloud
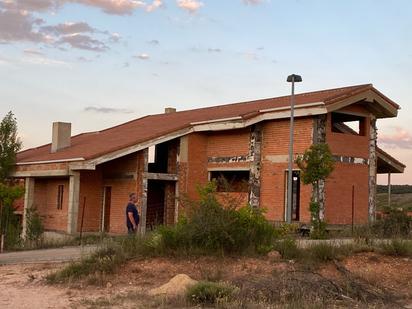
401	138
214	50
253	2
107	110
153	42
30	51
69	28
142	56
191	6
82	41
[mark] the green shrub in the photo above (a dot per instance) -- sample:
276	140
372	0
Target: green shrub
210	227
208	293
288	248
35	226
103	261
397	247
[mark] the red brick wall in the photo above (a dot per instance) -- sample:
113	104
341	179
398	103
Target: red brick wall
91	188
228	143
339	194
347	144
196	169
338	191
276	142
121	187
45	200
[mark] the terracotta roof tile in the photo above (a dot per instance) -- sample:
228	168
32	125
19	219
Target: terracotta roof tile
94	144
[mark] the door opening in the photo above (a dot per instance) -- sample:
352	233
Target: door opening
107	197
295	194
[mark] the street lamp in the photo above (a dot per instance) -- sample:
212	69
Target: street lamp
291	79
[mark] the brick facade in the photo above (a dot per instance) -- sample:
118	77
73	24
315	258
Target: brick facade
193	156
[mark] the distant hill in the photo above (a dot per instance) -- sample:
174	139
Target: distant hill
395	189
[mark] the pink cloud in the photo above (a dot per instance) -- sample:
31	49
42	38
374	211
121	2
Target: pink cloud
253	2
400	139
189	5
116	7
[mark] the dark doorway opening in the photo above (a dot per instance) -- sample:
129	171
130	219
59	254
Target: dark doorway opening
155	203
295	194
107	198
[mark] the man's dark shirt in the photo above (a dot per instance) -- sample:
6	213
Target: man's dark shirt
131	208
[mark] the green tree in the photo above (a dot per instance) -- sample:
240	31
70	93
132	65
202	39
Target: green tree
316	165
10	144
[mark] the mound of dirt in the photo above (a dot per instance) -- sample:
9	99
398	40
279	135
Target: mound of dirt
177	286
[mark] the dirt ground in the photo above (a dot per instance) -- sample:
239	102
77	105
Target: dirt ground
24	286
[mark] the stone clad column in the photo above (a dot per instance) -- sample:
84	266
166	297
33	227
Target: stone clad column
319	136
372	170
28	201
73	207
144	185
255	149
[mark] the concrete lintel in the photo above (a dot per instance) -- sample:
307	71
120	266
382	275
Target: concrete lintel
277	158
82	166
44	173
73	209
161	176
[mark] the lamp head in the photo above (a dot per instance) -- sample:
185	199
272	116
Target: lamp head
294	78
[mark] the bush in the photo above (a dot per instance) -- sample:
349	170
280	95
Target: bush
103	261
324	252
35	227
210	227
395	224
288	249
206	292
397	247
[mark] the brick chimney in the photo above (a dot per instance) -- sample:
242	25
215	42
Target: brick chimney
61	135
169	110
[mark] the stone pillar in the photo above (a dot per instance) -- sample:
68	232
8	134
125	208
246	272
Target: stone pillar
144	184
28	201
255	148
73	207
319	136
372	170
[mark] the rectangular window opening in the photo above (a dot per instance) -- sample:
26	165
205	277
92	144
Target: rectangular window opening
60	190
231	181
348	124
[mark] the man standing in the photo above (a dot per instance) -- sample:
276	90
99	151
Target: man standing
132	216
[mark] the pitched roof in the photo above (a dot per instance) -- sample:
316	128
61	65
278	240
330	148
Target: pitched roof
94	144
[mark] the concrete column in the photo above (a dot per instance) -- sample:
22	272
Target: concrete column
73	209
28	201
389	189
144	184
372	170
255	148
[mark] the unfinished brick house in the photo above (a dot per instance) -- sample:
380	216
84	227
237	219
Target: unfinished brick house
82	182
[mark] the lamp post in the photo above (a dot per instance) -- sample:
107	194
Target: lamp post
291	79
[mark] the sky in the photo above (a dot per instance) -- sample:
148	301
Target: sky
98	63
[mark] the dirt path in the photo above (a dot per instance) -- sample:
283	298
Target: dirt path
46	255
23	286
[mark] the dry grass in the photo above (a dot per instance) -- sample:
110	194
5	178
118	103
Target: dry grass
403	201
